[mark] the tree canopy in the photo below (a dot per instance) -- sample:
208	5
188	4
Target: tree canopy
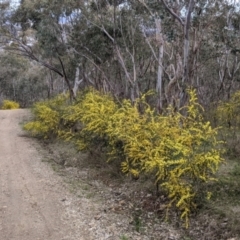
130	47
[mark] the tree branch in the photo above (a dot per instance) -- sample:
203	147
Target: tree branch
172	12
66	80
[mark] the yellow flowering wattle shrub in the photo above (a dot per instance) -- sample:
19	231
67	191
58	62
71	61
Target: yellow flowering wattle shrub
93	111
7	104
181	151
47	117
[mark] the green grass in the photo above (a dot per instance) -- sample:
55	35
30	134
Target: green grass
123	237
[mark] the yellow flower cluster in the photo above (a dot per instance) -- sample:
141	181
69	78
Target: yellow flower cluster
47	117
7	104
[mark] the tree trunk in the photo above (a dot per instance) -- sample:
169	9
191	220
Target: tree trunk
185	79
76	82
159	38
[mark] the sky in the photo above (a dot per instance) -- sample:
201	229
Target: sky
13	3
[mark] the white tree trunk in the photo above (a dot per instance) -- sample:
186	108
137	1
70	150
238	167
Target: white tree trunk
186	42
76	82
160	41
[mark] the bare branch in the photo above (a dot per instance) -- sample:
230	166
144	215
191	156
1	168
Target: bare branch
172	12
145	5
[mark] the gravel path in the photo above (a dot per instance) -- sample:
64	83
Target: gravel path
34	204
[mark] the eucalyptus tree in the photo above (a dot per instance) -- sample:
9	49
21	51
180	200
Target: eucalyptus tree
128	47
21	80
40	37
113	41
194	36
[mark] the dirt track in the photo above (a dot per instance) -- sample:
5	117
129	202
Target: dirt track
32	198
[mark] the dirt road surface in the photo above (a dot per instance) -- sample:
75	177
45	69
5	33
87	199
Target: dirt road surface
33	202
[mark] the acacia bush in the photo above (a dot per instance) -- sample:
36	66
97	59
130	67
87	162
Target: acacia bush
181	151
8	104
47	117
93	110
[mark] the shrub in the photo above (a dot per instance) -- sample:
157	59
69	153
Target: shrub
228	116
228	113
93	110
7	104
47	117
181	151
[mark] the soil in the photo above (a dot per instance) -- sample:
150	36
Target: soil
31	198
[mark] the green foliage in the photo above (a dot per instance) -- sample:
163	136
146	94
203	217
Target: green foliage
123	237
22	81
180	150
228	116
137	221
228	113
7	104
